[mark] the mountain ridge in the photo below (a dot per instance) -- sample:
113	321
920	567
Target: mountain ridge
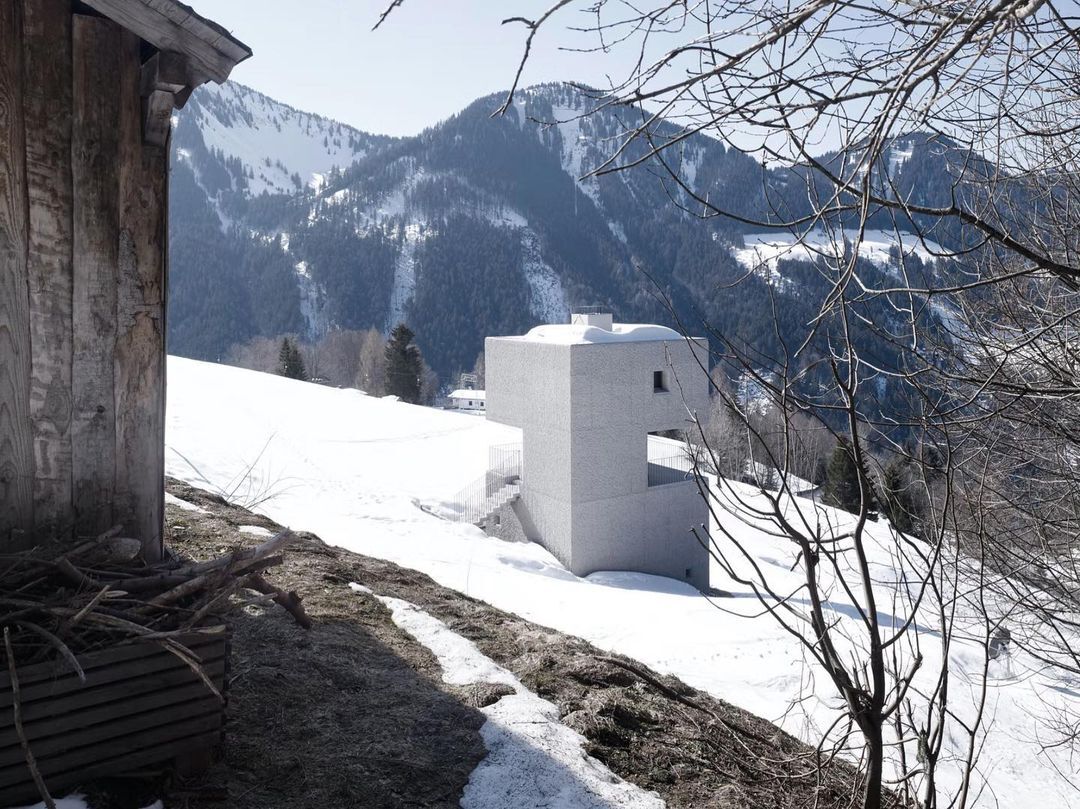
476	226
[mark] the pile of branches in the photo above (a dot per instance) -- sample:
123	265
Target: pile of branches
59	603
100	594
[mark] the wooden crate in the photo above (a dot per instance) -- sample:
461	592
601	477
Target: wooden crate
139	706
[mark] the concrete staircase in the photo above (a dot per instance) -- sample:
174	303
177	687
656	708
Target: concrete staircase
509	493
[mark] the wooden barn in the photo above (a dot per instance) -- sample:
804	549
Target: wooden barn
87	92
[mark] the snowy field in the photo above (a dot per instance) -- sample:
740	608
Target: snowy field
356	470
763	251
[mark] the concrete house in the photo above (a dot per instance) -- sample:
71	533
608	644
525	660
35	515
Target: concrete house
595	489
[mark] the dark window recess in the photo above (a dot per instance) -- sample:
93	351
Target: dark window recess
658	382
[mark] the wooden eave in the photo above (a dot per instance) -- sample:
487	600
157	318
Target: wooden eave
171	26
190	51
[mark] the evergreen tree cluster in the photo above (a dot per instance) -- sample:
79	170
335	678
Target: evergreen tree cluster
404	365
290	361
842	485
470	284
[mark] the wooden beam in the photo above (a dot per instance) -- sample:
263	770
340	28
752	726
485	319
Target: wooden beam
16	450
140	312
165	75
47	60
156	117
165	70
172	26
95	157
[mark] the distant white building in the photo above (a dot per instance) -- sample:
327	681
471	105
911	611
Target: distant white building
594	489
467	399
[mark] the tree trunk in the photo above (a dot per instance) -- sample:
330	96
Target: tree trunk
875	751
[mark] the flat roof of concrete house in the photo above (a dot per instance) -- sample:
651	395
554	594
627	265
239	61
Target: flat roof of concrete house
578	334
468	393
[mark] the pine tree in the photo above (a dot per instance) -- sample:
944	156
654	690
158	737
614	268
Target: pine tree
842	479
897	499
290	362
404	365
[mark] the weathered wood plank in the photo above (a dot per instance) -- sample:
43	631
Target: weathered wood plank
158	674
79	728
16	448
155	674
47	68
140	344
95	156
165	70
157	117
149	715
213	54
24	791
159	736
45	681
193	690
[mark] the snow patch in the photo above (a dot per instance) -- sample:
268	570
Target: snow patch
533	759
404	281
547	298
77	801
312	302
255	531
575	146
763	251
173	500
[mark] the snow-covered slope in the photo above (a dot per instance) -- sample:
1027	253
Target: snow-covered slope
356	470
763	251
283	150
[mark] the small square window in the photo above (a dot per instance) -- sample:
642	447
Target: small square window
659	384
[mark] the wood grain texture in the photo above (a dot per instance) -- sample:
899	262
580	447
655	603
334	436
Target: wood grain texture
95	154
140	706
47	104
140	340
16	449
170	28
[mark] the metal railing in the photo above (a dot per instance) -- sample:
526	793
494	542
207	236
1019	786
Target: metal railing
500	484
590	310
671	469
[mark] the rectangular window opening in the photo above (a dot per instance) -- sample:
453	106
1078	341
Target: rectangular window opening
659	384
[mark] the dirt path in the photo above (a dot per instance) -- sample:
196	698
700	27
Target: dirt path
354	712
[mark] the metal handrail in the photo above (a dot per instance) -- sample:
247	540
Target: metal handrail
493	488
671	469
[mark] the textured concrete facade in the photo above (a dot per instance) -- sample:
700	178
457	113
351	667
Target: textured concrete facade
586	399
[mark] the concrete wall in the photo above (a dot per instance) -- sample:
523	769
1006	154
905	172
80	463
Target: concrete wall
528	386
585	411
614	407
647	532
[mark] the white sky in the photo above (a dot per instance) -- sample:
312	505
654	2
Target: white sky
429	60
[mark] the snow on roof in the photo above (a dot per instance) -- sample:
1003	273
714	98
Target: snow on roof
468	393
575	334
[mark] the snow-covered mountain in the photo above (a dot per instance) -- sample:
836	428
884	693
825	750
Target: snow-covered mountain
280	150
477	226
